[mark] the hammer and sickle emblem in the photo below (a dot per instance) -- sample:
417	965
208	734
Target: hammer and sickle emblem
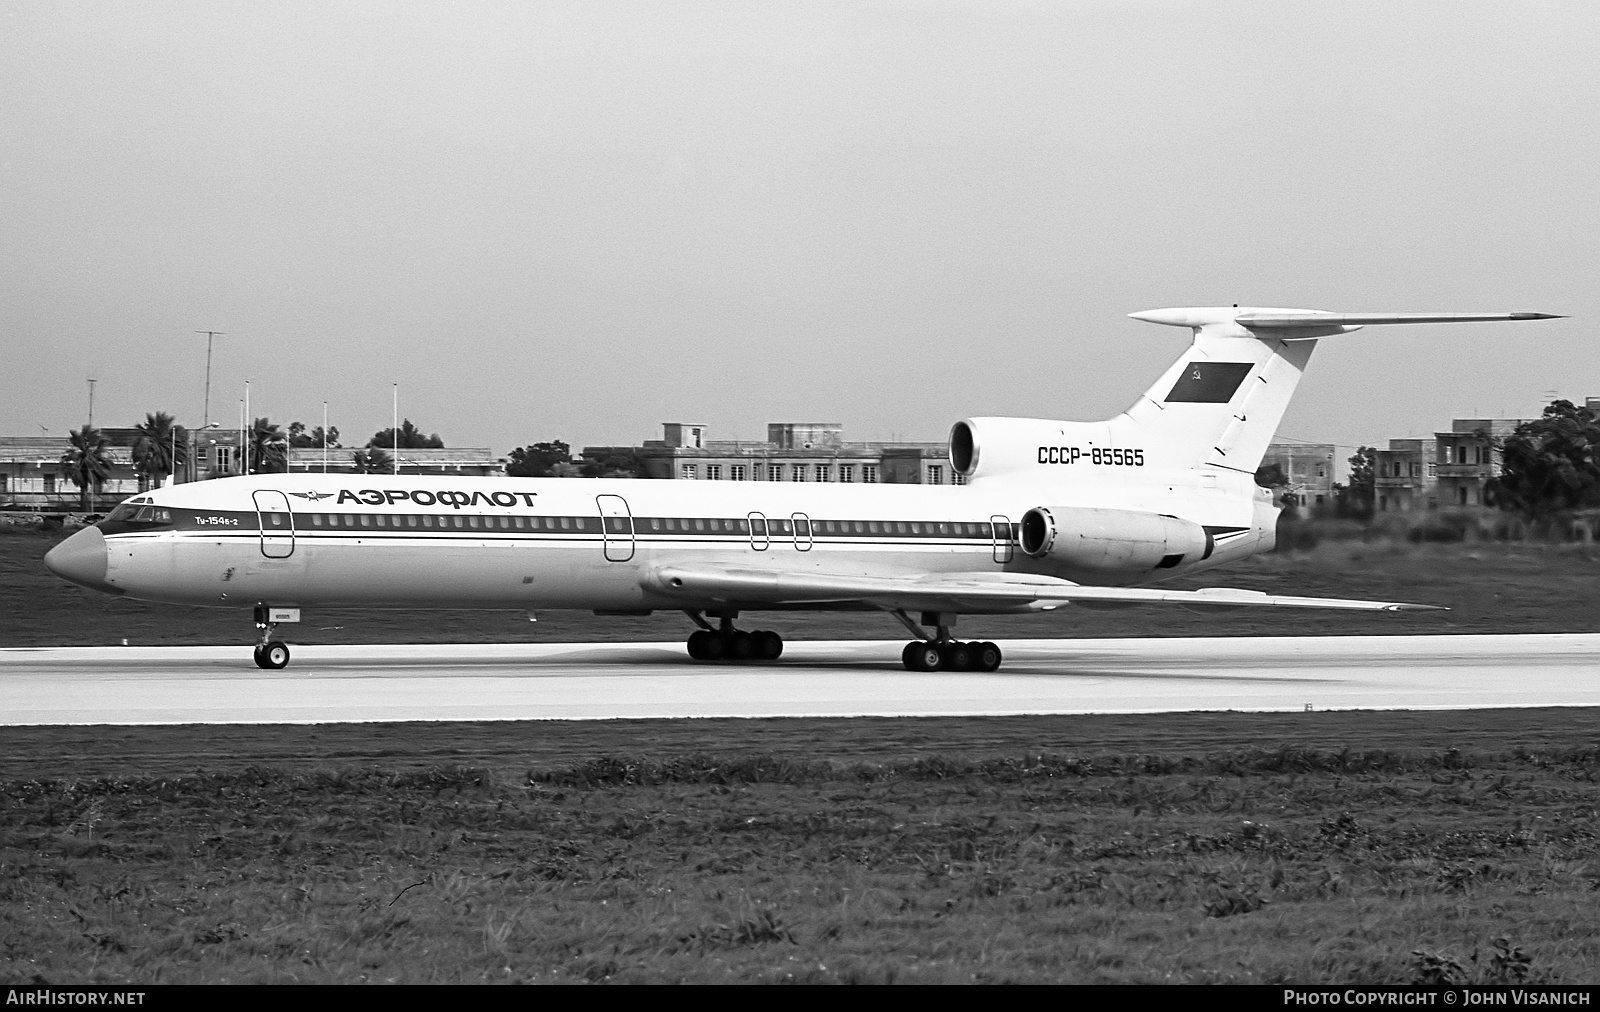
1196	376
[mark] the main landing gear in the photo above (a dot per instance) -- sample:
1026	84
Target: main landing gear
271	654
725	643
943	652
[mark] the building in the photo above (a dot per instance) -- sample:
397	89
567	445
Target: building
1308	472
1405	476
32	476
1467	456
474	461
792	451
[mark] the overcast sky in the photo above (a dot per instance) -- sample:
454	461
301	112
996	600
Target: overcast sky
578	220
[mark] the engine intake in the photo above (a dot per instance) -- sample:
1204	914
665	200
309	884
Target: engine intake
1104	540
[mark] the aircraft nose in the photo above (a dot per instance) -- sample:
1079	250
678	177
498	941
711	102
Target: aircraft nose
82	559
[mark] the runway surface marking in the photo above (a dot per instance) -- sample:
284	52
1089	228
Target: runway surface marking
338	684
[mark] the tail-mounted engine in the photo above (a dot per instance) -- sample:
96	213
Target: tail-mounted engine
1103	540
987	446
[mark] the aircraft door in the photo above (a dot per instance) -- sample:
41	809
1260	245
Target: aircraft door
277	524
802	531
759	538
1002	538
616	526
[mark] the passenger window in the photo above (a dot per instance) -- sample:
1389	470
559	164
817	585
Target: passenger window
699	525
743	526
427	520
316	519
411	521
564	523
859	528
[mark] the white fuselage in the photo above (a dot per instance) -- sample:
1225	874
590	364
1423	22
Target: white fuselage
308	540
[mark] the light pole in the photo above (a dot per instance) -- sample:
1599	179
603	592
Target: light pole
211	335
173	477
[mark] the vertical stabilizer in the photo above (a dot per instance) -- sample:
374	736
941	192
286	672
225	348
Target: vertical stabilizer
1219	405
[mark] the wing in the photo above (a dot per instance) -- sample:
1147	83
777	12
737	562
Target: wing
972	593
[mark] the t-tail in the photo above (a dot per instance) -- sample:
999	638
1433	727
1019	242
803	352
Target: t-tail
1219	404
1217	407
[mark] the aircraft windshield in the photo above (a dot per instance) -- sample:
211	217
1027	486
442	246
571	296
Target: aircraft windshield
128	513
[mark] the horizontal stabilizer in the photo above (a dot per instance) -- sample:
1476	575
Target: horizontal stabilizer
972	593
1258	318
1278	321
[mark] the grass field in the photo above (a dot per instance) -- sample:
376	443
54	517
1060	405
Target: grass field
1387	847
1329	847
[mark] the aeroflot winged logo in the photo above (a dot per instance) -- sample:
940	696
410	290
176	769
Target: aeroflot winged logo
425	497
313	496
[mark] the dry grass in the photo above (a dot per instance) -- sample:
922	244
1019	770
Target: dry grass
1249	864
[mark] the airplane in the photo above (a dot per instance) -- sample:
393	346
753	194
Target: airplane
1051	513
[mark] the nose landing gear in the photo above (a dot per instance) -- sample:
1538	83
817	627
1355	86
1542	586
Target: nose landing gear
270	653
726	643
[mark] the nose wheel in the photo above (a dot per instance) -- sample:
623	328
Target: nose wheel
273	655
270	653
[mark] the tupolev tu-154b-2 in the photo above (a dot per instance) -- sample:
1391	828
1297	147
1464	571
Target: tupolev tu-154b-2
1050	513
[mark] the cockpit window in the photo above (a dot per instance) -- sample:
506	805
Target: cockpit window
139	513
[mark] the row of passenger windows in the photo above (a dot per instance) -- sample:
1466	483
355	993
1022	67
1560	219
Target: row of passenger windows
351	521
804	526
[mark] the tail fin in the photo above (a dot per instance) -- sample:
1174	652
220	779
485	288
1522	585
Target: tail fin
1219	405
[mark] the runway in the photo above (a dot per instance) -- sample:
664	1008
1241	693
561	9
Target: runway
341	684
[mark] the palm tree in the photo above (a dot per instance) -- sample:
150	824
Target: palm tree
159	449
269	448
410	438
87	462
372	460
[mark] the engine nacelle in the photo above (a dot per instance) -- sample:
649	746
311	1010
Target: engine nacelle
985	446
1103	540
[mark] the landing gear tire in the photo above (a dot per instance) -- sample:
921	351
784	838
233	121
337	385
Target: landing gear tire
986	656
734	645
769	646
272	655
951	655
921	656
697	644
956	656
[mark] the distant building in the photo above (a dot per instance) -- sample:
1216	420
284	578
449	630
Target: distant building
1405	476
32	476
792	451
1467	457
475	461
1307	470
